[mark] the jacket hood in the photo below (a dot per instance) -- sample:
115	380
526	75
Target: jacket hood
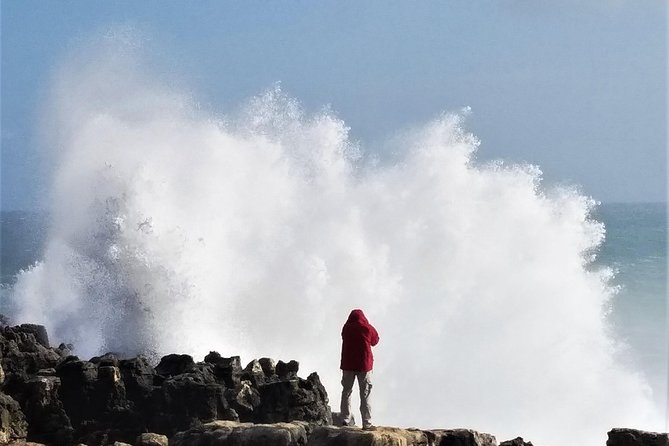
357	316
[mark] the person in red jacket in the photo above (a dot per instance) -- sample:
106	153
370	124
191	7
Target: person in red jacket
358	338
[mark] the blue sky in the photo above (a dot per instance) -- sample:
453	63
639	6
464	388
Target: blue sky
577	87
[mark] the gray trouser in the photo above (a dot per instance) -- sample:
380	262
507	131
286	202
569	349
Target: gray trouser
365	384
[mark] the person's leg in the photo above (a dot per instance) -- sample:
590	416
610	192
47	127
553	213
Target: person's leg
347	388
365	383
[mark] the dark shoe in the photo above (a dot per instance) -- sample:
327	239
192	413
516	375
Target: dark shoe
369	427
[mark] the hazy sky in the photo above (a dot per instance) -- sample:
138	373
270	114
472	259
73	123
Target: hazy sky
575	86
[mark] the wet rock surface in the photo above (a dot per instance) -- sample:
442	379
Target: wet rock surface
382	436
13	425
460	437
299	433
633	437
151	439
518	441
223	433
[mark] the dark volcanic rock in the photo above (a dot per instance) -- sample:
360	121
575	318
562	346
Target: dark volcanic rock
254	373
245	400
66	400
268	368
633	437
110	399
138	378
23	353
229	371
287	370
94	399
213	357
78	380
150	439
28	376
174	364
39	331
186	400
518	441
460	437
382	436
227	433
295	399
44	411
13	426
108	359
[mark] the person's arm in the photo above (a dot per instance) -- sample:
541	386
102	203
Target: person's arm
374	335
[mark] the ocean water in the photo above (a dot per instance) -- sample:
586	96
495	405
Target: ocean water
636	249
502	304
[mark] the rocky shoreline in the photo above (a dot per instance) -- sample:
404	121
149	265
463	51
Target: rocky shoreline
49	396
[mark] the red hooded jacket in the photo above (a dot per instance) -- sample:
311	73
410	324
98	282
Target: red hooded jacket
358	336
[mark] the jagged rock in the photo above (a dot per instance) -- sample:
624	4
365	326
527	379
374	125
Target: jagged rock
24	443
172	365
120	443
67	400
95	400
23	353
109	374
518	441
382	436
13	426
108	359
633	437
99	438
287	370
65	350
188	399
77	383
224	433
151	439
254	373
246	400
296	399
39	331
46	417
212	357
268	368
460	437
30	379
228	371
138	377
